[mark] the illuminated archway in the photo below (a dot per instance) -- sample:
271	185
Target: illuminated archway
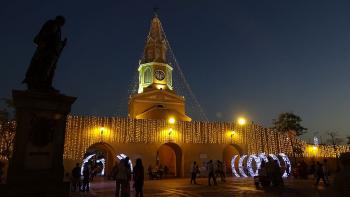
227	154
102	155
170	155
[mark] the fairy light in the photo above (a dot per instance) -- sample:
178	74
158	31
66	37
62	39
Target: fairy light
80	135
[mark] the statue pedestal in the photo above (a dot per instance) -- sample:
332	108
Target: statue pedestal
36	167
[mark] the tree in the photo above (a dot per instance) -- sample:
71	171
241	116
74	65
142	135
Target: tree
348	140
289	123
7	130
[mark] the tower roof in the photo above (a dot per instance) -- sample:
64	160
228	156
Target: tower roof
156	45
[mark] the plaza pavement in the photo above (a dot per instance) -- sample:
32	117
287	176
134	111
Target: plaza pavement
232	187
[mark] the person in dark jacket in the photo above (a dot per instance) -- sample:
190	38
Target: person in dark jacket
138	178
76	177
86	180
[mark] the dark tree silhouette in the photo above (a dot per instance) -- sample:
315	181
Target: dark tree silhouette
289	124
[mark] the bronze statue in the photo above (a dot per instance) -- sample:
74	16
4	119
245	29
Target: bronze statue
42	67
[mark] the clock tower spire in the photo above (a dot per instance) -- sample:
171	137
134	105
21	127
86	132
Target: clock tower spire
154	70
156	98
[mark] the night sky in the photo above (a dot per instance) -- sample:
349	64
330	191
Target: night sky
252	58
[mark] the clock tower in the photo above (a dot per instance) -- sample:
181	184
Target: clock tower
156	98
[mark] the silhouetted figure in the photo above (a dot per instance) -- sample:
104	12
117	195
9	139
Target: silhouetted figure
166	171
211	174
138	178
194	168
76	177
1	171
326	170
42	67
320	174
263	175
86	180
342	178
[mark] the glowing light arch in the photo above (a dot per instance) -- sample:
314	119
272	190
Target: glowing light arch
240	166
123	156
249	165
233	166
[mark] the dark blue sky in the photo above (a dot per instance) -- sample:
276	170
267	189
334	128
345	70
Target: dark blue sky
253	58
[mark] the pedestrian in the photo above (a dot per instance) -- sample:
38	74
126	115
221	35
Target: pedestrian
122	179
276	175
86	180
320	174
1	171
211	174
342	178
313	170
194	172
138	178
76	174
128	175
263	175
325	170
150	175
166	171
224	170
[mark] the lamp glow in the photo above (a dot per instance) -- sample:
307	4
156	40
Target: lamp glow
171	120
241	121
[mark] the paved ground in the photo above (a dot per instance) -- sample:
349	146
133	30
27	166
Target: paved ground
232	187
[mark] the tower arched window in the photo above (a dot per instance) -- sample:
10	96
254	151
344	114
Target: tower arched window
147	76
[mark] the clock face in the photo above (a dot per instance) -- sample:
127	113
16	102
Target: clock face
159	74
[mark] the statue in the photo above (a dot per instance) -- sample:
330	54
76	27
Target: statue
42	67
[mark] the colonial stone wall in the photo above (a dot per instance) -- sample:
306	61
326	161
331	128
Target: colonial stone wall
83	131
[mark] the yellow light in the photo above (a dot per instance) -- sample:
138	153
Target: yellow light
314	148
241	121
160	87
171	120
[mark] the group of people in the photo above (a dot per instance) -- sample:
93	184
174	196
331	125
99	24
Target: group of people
77	184
216	170
122	174
157	172
317	169
269	173
123	177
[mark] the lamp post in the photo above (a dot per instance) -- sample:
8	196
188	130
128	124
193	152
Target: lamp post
101	133
170	131
232	134
171	121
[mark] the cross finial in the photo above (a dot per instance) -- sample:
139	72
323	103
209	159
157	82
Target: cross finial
155	10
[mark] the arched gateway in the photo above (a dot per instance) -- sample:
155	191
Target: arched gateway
103	154
170	155
228	152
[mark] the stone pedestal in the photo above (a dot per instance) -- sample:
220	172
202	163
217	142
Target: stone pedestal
36	167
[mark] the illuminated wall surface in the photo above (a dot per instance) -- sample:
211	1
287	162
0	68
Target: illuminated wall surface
83	131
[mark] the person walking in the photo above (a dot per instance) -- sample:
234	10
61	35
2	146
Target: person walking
138	178
320	174
325	170
86	180
194	172
121	180
76	174
211	174
341	184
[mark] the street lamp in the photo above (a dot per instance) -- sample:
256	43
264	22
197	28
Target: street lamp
170	131
101	132
241	121
232	134
171	120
